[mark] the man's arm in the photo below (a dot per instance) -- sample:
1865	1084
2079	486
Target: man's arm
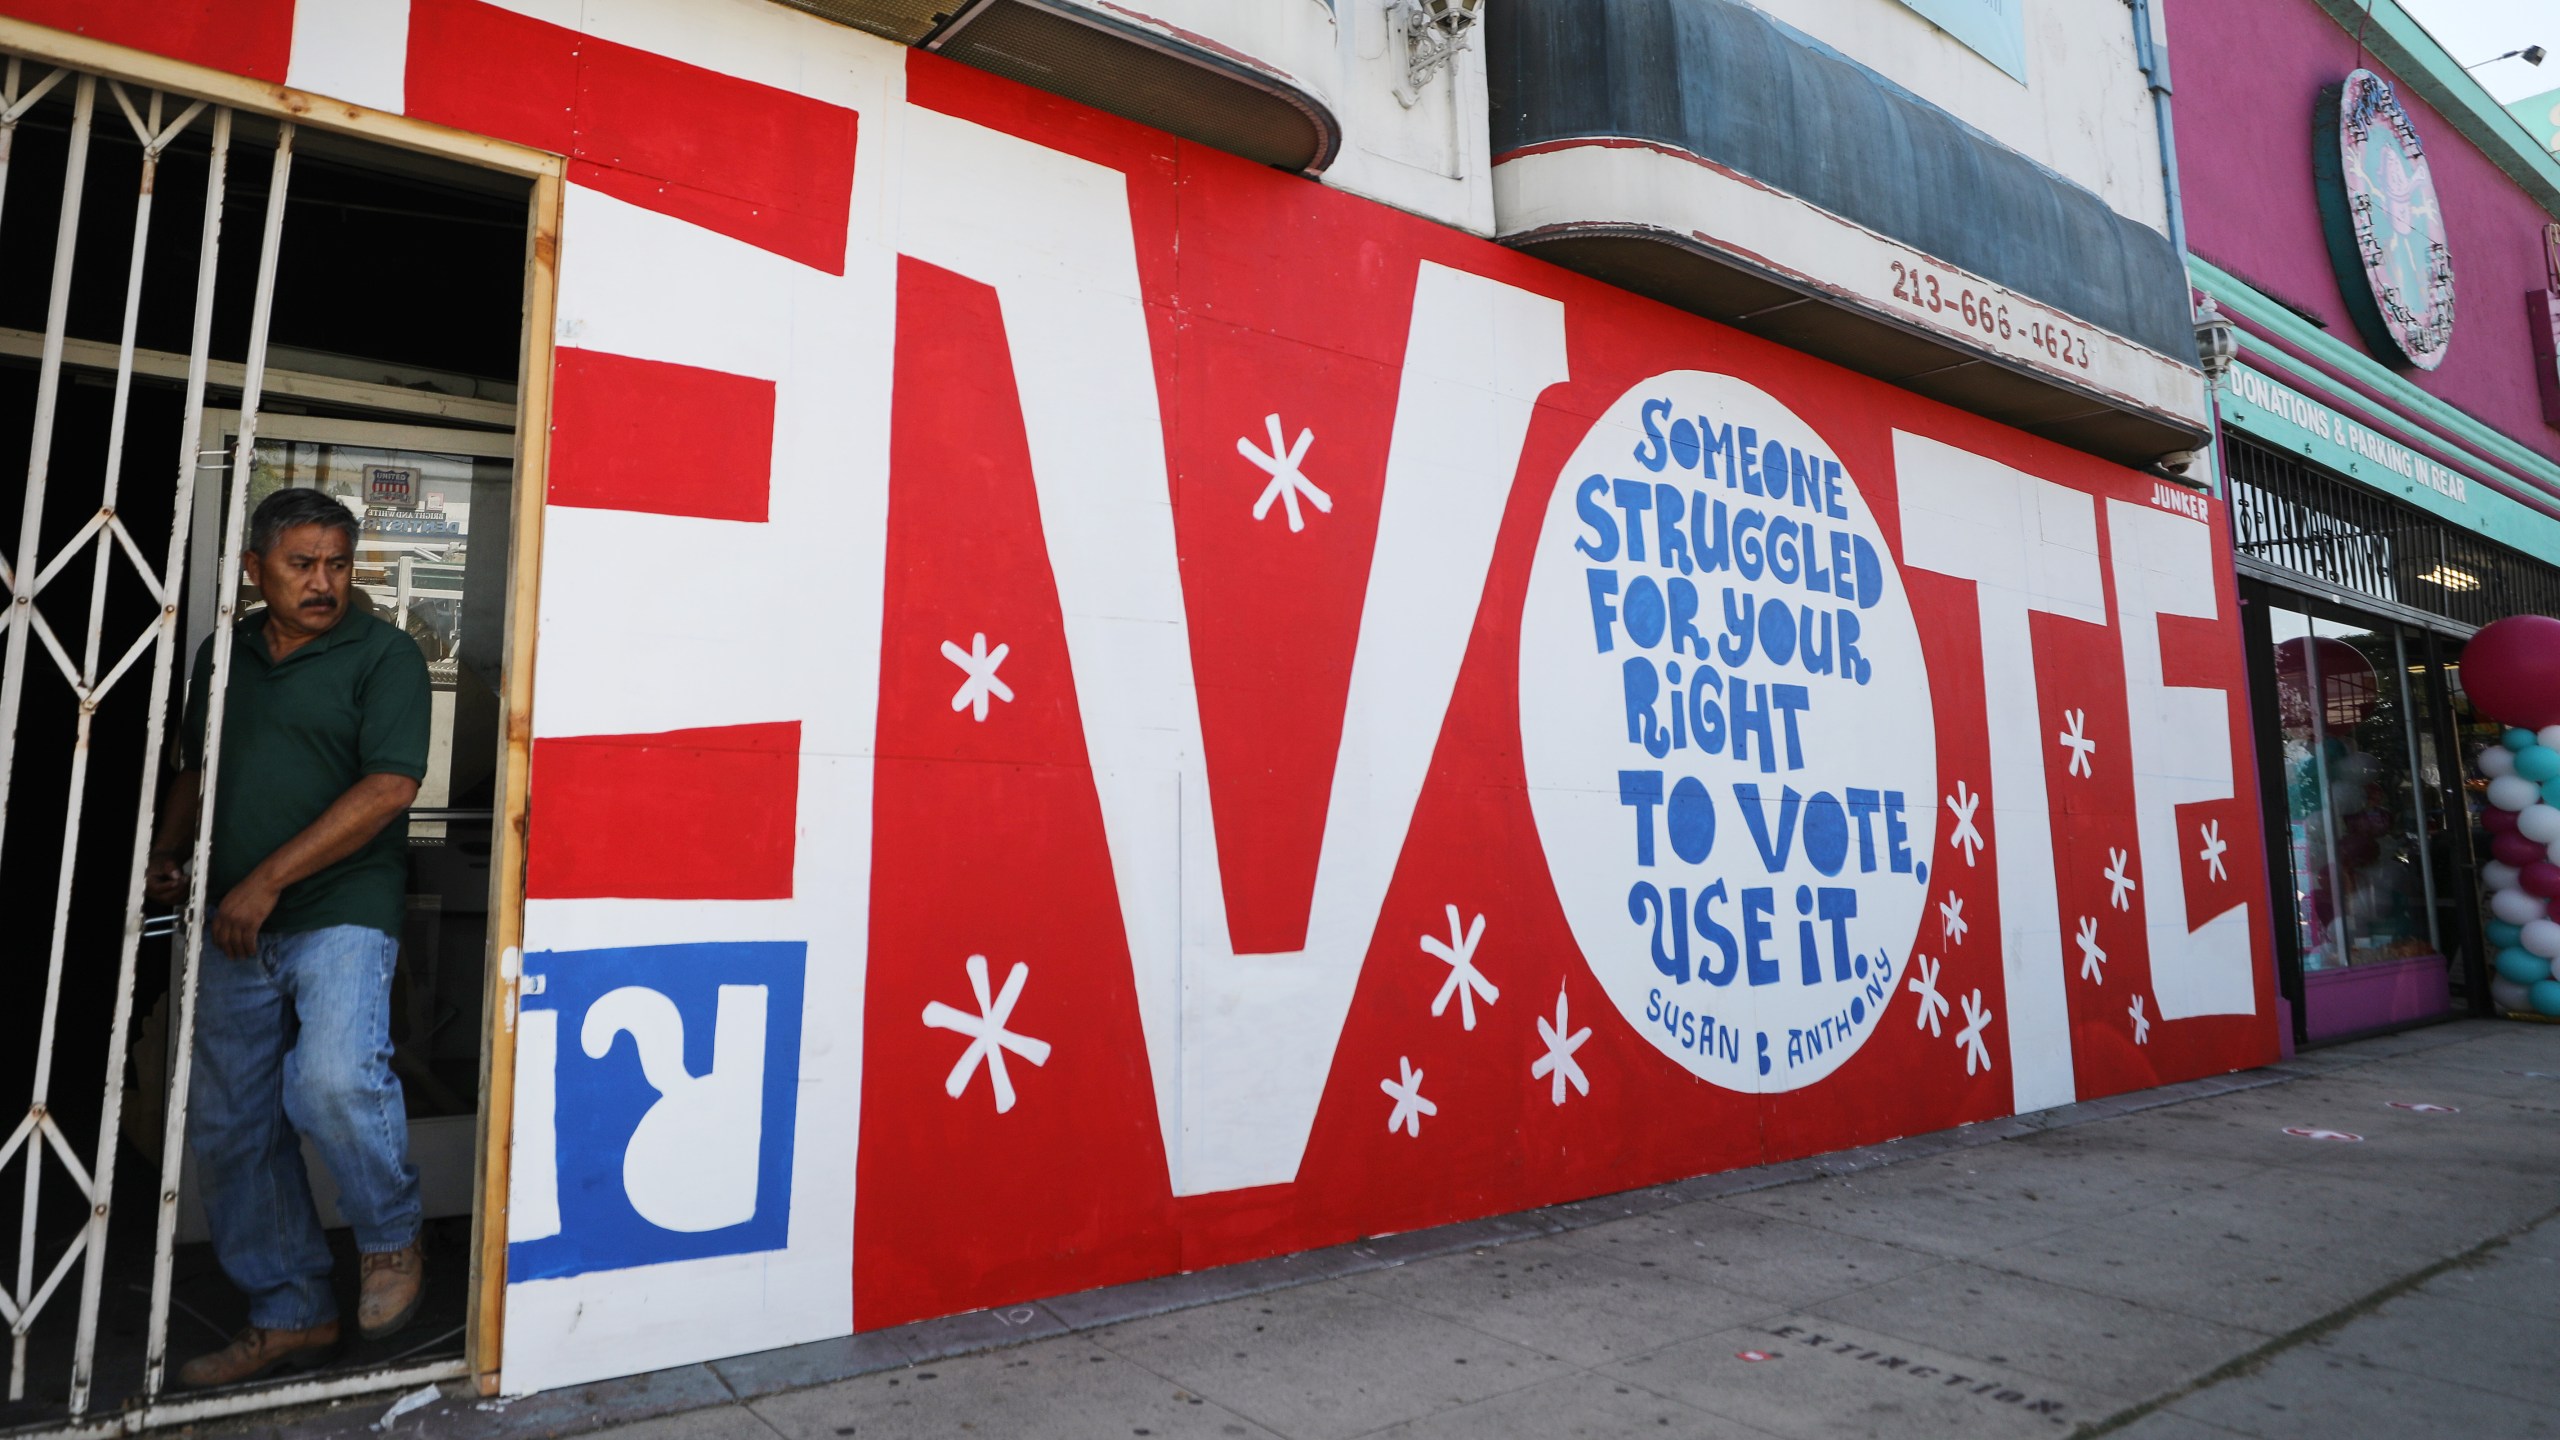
165	881
351	820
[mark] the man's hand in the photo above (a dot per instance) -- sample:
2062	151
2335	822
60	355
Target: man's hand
235	924
165	881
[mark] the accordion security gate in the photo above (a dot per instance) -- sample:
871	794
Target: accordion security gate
98	667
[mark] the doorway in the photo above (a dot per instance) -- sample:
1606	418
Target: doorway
211	304
2368	820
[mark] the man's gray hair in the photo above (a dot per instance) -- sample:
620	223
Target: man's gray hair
289	509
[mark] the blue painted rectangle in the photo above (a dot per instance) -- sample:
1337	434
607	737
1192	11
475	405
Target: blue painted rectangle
638	1030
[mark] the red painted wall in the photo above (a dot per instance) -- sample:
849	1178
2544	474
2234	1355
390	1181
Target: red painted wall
2248	76
1268	290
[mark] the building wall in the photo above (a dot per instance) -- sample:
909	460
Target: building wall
1429	157
2083	110
1102	710
2248	78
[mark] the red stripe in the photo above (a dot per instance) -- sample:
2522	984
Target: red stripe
762	165
631	434
477	67
239	37
706	814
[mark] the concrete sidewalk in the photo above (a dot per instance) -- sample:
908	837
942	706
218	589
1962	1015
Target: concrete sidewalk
2170	1265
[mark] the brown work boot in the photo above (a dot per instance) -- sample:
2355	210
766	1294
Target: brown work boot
391	1290
256	1353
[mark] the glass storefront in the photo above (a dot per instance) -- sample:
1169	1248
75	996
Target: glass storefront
2355	607
2367	821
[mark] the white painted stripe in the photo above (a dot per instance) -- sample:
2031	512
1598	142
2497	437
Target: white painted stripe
2029	546
354	50
533	1163
2165	565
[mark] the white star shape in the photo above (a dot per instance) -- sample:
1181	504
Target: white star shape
2214	847
1966	838
988	1039
2077	742
1465	980
2141	1023
979	664
2092	959
1933	1006
1287	483
1558	1062
1410	1106
2119	883
1977	1018
1951	921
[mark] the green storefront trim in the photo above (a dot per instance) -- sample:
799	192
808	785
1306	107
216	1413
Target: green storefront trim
2278	415
2449	426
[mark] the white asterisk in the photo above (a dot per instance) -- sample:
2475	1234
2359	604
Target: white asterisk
1410	1106
1933	1006
2077	742
1966	838
988	1039
1287	484
2119	884
1969	1039
2092	959
1465	980
979	664
2213	850
1951	921
1559	1061
2141	1023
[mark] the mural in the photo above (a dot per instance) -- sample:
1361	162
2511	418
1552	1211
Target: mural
1206	717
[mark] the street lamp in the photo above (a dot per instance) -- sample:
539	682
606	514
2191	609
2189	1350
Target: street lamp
2216	342
2531	55
1434	31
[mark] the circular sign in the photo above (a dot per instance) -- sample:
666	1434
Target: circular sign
2316	1132
2386	229
1726	727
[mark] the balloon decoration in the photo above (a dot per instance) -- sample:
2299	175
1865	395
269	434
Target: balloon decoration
2511	670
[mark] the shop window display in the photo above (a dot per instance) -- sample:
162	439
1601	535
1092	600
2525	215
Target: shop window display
2355	758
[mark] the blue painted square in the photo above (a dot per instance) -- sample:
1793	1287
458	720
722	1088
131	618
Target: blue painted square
602	1101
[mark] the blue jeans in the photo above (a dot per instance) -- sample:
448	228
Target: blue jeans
295	1042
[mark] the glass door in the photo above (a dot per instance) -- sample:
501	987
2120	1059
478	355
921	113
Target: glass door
2361	784
434	506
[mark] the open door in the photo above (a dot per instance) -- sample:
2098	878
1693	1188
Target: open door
207	304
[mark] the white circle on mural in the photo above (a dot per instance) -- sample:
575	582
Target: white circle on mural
1726	727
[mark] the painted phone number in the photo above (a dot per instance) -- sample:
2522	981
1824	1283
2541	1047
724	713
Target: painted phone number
1921	290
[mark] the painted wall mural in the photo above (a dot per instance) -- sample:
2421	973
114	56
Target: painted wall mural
1206	717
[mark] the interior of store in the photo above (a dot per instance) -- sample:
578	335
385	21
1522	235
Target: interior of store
397	300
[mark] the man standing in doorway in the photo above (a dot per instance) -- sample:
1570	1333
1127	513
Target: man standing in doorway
324	741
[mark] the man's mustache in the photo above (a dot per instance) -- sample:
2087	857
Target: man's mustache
321	602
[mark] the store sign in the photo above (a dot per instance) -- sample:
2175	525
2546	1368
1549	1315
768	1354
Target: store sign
394	486
2384	225
2283	416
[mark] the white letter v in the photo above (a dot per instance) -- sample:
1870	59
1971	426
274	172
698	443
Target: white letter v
1239	1045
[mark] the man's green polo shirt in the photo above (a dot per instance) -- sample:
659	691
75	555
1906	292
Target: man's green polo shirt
295	737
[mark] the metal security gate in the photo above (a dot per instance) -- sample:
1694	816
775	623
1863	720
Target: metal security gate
101	667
